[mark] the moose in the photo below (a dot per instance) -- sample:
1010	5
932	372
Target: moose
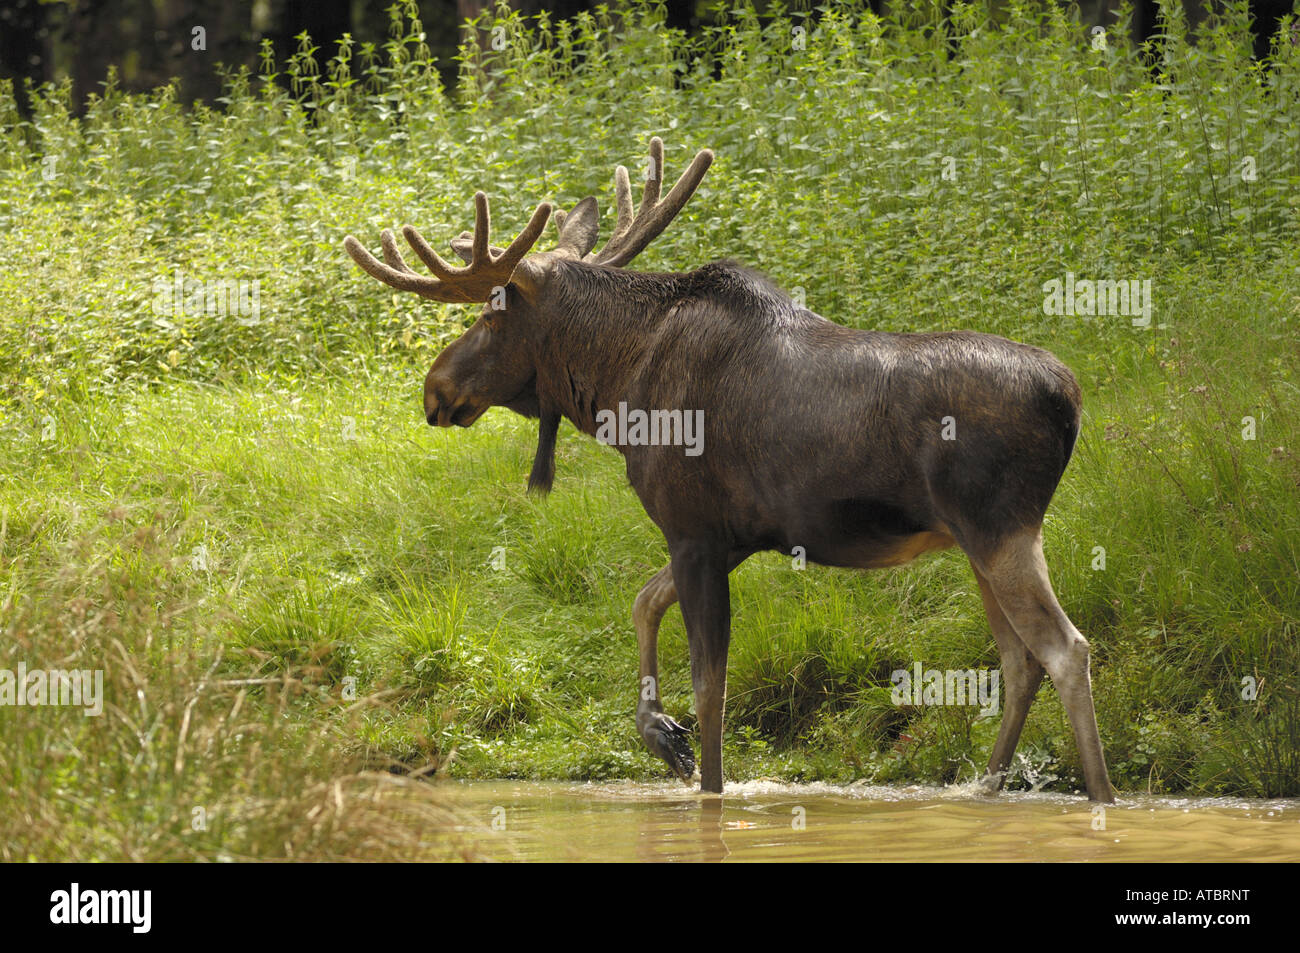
866	448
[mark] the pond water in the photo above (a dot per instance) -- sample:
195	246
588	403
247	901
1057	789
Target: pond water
762	820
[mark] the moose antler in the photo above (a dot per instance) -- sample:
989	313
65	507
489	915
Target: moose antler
491	267
632	234
488	268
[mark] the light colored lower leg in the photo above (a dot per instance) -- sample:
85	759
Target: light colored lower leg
1018	576
1021	676
651	603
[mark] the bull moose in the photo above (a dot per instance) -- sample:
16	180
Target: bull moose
865	448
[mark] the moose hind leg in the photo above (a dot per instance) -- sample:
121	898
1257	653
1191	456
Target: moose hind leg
1017	573
661	734
1021	676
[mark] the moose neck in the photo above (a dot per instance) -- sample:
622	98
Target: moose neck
599	322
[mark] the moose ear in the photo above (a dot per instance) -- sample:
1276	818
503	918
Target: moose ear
578	229
531	273
463	245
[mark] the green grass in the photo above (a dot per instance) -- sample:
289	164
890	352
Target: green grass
304	599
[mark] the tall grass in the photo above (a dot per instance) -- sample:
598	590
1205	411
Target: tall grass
240	521
192	757
831	174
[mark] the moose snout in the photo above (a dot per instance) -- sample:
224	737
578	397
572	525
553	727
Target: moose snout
437	413
437	406
441	411
440	414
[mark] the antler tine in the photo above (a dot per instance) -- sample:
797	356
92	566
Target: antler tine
488	268
633	234
482	225
432	260
391	253
483	256
435	263
403	279
650	196
623	201
526	239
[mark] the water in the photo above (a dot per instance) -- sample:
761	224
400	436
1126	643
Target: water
761	820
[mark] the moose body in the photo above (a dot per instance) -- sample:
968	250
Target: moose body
833	439
863	448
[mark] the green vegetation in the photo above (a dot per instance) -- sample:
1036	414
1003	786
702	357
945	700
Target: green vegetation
236	515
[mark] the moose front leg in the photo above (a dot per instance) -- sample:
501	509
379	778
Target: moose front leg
700	574
662	735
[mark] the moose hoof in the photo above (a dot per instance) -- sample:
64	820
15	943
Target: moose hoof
670	741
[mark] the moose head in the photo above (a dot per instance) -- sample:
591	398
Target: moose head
495	362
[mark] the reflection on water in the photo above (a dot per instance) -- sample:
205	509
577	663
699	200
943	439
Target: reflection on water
625	821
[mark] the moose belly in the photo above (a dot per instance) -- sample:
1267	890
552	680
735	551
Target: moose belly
877	553
866	534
